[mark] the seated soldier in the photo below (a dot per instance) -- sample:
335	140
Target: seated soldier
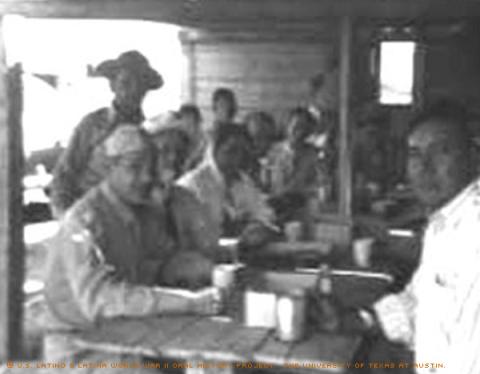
294	163
296	172
435	318
106	257
231	203
262	129
180	213
191	121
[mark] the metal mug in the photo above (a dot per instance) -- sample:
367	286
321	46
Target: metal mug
362	251
225	278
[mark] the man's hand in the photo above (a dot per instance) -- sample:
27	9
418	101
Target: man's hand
187	269
255	235
359	320
207	301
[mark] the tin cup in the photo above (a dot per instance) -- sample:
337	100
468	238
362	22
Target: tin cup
225	278
293	231
362	252
291	315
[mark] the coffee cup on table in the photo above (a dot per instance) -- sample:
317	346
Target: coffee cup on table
225	278
293	231
260	309
291	315
362	251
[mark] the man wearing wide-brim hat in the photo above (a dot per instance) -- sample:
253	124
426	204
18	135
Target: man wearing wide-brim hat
83	164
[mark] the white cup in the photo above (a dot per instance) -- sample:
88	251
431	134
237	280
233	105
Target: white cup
223	276
260	309
362	251
293	231
291	309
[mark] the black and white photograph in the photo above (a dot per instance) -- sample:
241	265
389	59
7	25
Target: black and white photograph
240	186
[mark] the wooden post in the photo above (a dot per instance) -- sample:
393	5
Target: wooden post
11	226
345	163
189	91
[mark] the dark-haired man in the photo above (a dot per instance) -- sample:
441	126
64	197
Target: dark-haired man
230	199
191	120
262	129
437	315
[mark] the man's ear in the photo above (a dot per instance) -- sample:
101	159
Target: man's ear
111	82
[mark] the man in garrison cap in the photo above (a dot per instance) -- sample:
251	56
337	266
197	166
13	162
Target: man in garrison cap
83	164
105	260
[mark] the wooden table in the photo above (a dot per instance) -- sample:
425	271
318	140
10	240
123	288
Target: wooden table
219	345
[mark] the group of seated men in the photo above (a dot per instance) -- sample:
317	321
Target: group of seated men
134	219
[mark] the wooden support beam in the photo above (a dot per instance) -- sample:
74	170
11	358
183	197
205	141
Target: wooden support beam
11	226
199	12
345	162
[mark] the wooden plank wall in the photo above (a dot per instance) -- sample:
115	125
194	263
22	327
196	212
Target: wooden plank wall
266	72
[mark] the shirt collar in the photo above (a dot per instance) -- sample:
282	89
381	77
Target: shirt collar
216	173
455	205
118	115
315	112
122	209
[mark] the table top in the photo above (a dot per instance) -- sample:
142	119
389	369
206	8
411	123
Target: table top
217	339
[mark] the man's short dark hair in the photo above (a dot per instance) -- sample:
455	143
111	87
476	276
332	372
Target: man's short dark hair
304	114
316	83
190	110
445	110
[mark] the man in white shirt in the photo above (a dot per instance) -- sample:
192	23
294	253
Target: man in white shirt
437	315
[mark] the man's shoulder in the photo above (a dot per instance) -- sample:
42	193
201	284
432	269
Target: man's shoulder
87	211
468	200
277	150
184	201
200	172
97	119
309	151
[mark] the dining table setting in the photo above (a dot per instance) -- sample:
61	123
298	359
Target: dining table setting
292	316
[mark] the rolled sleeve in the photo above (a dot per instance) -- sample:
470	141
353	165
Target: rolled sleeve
252	202
97	291
396	316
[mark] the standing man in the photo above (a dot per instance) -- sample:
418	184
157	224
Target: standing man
436	317
108	255
83	164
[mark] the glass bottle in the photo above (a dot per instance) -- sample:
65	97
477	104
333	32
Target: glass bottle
329	318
